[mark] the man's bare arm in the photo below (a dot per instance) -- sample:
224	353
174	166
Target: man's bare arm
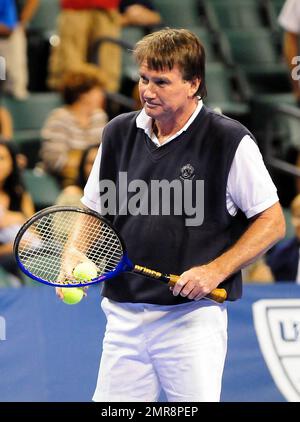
266	229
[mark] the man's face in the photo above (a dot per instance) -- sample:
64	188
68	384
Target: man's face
164	94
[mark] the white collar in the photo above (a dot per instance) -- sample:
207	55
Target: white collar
143	121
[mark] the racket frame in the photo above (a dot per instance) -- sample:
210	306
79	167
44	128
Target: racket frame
219	294
124	265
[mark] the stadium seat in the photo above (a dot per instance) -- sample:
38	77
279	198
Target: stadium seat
234	14
44	21
178	13
290	230
42	187
28	118
226	90
214	49
31	113
284	124
41	34
279	141
131	35
273	8
257	54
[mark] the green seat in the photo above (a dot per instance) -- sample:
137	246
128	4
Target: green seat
131	35
290	230
211	42
286	130
42	187
45	19
274	8
225	90
279	141
234	14
31	113
28	118
179	13
257	54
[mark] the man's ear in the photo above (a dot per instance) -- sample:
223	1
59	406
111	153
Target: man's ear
194	86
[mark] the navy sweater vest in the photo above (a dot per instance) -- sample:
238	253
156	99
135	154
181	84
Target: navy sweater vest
161	240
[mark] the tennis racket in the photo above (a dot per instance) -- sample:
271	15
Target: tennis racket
53	241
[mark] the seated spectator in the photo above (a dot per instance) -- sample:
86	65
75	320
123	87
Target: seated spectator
15	205
80	24
70	129
6	125
14	47
8	18
283	259
139	13
71	195
258	272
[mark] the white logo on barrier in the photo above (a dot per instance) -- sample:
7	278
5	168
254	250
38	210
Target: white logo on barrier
2	329
277	325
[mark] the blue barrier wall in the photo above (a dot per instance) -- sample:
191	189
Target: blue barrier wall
50	351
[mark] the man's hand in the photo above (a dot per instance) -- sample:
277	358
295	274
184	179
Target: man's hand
198	282
71	258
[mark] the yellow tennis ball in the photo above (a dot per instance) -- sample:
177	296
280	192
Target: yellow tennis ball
85	271
72	295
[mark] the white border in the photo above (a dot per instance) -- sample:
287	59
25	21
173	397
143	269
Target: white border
266	345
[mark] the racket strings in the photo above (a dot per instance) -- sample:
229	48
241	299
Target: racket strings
48	244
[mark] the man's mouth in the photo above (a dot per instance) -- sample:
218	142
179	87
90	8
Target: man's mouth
151	105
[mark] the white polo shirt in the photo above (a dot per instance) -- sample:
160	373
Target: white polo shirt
289	17
249	185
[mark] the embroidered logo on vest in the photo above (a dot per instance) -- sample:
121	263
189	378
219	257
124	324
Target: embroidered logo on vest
187	172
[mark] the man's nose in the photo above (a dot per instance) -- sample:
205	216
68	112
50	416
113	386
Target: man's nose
149	91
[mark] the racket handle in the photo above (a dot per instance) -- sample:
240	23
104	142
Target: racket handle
218	295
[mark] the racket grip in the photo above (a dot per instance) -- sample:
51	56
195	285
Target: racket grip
218	295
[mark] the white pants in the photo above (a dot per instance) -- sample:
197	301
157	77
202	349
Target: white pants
179	348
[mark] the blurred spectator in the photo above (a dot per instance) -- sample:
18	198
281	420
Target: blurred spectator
15	205
70	129
71	195
258	272
80	24
6	125
289	19
8	19
139	13
283	259
14	48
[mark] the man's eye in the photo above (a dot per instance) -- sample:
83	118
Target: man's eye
161	82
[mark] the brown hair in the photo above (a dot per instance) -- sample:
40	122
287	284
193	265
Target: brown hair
169	47
74	84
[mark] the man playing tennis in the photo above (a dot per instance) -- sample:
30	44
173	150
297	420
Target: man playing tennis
157	337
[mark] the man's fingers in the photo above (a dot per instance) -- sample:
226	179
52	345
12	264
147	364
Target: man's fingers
59	293
187	288
179	286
